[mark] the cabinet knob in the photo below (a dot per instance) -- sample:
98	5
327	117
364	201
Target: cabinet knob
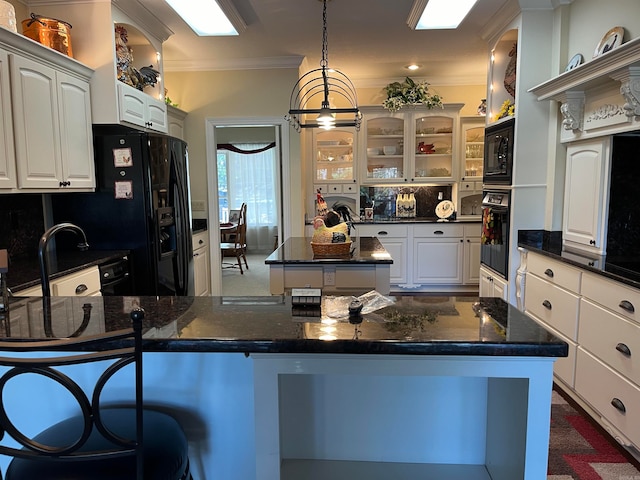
549	273
81	289
438	232
383	232
592	242
547	304
618	405
623	349
200	242
627	306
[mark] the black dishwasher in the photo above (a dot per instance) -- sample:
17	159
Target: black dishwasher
115	278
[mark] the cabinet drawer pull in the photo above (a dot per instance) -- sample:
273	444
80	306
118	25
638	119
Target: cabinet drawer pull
627	306
549	273
81	289
623	349
438	232
547	304
618	405
383	232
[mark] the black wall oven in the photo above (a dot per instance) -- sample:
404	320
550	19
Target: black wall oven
498	153
494	242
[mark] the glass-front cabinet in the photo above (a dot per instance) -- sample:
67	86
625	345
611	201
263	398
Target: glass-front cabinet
432	147
333	156
472	135
384	135
412	145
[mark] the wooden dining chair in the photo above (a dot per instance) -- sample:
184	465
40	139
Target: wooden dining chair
124	441
238	247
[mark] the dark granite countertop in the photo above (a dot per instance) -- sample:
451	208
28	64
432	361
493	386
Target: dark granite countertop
298	250
412	325
25	272
386	220
550	245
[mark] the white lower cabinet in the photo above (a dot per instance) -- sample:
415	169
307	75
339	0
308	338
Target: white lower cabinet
438	253
201	266
395	239
430	256
596	316
493	285
471	255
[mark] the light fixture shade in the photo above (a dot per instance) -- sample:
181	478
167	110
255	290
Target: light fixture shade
309	105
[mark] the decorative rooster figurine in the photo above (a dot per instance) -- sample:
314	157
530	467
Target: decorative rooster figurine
323	234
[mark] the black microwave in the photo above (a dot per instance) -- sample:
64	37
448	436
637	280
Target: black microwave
498	153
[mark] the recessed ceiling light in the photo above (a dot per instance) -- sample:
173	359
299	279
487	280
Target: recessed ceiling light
439	14
205	17
413	66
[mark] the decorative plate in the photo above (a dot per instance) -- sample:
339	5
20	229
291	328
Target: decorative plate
611	40
445	209
574	62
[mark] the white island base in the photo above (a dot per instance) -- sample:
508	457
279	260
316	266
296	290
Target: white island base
413	417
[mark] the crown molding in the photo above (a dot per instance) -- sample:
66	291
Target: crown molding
232	64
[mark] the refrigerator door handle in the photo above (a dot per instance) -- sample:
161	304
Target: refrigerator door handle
181	265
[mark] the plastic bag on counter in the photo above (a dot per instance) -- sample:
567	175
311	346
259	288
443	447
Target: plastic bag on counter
338	306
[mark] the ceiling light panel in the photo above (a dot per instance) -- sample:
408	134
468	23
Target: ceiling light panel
444	14
205	17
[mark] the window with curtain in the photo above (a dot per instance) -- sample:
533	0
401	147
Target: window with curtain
250	178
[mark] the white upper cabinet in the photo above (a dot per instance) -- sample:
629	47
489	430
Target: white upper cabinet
48	117
175	122
94	31
412	145
586	184
7	154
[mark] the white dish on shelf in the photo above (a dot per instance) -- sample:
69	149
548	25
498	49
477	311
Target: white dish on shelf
612	39
373	151
389	150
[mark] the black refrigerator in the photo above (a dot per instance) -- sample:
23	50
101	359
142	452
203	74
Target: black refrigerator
142	204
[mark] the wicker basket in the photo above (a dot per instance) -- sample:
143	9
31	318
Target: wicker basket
331	250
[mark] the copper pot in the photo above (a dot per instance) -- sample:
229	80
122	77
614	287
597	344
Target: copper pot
50	32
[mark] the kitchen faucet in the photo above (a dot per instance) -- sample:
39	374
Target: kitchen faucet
44	268
42	251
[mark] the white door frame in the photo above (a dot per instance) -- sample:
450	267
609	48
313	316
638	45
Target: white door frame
282	144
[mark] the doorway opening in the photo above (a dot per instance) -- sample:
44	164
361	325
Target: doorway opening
246	162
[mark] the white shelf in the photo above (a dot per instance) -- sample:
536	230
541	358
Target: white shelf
593	73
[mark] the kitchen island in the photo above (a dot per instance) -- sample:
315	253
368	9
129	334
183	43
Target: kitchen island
294	265
426	387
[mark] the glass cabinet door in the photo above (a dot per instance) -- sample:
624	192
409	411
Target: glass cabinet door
473	149
333	155
433	147
385	149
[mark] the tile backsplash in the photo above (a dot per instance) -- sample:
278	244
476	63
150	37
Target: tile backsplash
21	224
383	199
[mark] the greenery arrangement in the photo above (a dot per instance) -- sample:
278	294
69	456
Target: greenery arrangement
410	92
507	109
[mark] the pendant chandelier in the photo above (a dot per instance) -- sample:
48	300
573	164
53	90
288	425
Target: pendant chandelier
316	87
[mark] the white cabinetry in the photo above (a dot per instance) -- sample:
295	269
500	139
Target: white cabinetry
175	122
471	254
140	109
414	145
438	253
334	157
83	283
493	285
51	121
552	299
394	238
472	151
94	23
7	152
201	266
598	318
585	201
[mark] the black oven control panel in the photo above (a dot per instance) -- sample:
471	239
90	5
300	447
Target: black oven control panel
498	199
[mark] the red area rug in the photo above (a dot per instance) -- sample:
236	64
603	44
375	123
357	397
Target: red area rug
578	450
